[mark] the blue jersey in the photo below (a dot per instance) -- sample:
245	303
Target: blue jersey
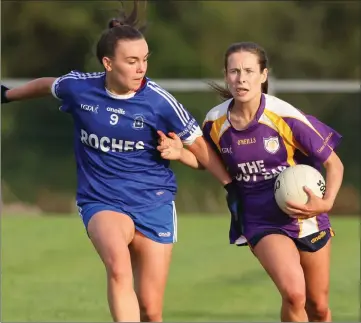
116	140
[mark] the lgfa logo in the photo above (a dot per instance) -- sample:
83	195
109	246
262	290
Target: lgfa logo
90	108
227	150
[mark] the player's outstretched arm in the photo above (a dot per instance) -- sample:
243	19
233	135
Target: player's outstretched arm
171	148
34	89
199	155
207	157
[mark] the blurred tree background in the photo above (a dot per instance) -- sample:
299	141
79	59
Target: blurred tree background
304	40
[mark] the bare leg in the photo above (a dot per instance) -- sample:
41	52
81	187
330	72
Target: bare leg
111	233
151	261
280	258
316	266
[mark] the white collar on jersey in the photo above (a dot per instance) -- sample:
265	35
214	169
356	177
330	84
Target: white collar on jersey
120	96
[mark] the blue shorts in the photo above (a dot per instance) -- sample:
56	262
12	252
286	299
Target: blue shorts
159	225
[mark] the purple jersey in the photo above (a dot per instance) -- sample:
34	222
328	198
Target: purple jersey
280	136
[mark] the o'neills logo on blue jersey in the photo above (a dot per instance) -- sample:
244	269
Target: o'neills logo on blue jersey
106	144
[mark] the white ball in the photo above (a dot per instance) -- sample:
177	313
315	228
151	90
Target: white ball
290	182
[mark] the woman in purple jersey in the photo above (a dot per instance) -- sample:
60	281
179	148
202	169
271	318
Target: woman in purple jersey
257	136
125	242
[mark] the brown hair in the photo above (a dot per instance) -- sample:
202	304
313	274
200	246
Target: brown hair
122	27
242	47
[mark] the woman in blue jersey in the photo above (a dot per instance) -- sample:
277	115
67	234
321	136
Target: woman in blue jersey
126	191
257	136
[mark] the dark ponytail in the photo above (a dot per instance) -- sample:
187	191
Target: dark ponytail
223	92
115	23
132	20
122	27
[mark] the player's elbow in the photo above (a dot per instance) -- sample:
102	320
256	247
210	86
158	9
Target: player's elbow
335	163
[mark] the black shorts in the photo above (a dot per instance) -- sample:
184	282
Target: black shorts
311	243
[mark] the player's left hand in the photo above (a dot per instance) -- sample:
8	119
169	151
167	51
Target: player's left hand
170	148
173	140
313	207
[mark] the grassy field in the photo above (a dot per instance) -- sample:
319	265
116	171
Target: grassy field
50	273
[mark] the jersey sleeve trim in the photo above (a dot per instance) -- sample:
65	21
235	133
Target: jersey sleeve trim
195	133
53	88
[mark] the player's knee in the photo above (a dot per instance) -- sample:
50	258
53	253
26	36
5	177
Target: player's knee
150	309
150	312
148	316
317	310
118	273
294	297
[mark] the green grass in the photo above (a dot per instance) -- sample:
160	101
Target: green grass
51	273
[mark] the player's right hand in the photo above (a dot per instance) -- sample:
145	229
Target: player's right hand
4	89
